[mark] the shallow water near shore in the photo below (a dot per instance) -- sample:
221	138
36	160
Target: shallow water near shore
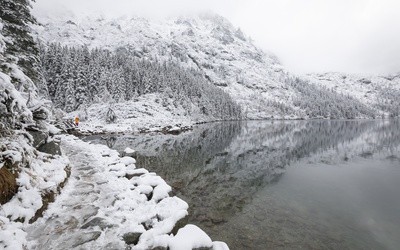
283	184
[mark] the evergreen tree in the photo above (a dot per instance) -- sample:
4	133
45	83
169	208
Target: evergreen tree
20	46
87	76
324	103
18	66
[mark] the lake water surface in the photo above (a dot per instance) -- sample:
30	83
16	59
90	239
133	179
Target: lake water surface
283	184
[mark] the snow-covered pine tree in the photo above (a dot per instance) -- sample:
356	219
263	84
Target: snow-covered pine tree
18	67
318	102
111	116
21	49
108	77
18	61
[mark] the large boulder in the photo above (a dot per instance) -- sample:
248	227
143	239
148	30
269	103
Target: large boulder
52	147
40	113
131	238
39	135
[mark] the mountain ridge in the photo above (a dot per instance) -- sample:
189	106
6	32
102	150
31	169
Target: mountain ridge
210	43
206	43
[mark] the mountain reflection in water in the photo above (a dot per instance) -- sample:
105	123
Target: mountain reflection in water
230	174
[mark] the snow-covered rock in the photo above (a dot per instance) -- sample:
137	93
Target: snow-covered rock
129	152
190	237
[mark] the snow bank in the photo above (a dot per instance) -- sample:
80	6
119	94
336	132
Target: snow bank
43	176
11	235
144	114
39	174
190	237
126	206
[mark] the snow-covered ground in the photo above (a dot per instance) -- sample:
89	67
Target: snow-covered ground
43	177
144	114
106	203
365	88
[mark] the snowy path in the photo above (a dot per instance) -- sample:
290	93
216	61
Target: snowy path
61	226
100	208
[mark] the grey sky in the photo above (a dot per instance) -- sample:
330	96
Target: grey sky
360	36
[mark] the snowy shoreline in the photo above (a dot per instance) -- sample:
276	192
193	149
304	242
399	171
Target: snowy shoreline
107	202
84	129
147	114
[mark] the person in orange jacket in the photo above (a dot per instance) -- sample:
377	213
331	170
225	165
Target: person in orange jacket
76	121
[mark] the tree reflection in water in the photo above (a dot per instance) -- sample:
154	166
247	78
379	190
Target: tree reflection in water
218	168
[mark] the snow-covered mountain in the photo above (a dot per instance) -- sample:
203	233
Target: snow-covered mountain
207	42
227	58
381	92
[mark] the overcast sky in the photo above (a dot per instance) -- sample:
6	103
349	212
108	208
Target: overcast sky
355	36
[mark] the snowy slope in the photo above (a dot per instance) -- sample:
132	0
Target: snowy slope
206	41
145	113
371	90
228	59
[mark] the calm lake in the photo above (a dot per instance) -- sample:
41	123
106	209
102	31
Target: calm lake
283	184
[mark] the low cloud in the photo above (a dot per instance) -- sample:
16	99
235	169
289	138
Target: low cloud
356	36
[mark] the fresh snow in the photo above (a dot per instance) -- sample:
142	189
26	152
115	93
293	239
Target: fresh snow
364	88
18	101
106	200
190	237
209	43
11	234
206	42
43	176
146	113
129	151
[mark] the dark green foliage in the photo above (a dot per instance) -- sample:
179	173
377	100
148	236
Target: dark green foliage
77	76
